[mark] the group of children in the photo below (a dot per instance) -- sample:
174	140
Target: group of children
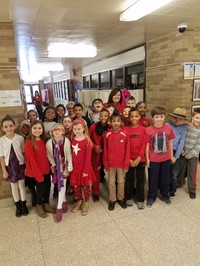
75	148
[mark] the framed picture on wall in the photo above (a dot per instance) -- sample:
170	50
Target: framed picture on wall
196	90
194	107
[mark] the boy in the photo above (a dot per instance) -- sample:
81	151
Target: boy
179	116
130	101
93	114
78	111
96	132
125	115
191	152
159	153
138	141
116	156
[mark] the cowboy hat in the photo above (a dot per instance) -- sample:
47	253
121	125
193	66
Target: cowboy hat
179	112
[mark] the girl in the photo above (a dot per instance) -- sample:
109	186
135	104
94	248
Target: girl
59	155
60	112
32	115
49	119
12	163
38	167
142	108
82	174
67	123
115	98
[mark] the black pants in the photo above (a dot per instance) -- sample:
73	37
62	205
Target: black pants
43	190
139	172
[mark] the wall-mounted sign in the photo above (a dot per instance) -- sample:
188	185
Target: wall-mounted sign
197	70
188	70
10	98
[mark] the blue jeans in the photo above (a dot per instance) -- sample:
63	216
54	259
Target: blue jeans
175	170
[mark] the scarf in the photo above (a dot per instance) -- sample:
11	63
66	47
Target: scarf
58	161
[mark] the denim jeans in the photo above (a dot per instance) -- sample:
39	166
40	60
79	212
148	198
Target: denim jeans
175	170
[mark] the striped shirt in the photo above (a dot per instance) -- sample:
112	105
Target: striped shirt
192	142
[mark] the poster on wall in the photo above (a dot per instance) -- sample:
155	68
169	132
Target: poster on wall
10	98
197	70
196	90
188	70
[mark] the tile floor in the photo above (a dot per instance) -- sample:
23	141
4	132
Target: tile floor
160	235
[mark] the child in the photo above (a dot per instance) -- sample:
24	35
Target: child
116	157
49	119
191	152
60	112
130	101
38	167
138	141
70	109
59	155
32	115
96	132
78	111
125	115
24	128
111	109
97	105
12	163
82	174
159	153
144	121
179	116
67	123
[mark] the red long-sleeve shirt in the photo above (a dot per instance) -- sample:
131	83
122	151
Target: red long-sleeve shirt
138	142
37	163
116	152
97	141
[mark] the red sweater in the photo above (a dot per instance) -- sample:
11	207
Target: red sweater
138	141
37	164
116	152
119	106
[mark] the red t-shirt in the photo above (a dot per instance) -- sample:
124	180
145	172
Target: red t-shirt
158	139
144	121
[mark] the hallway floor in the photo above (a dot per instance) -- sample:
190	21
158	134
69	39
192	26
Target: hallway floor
160	235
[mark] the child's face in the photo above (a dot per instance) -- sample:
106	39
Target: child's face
8	127
60	111
110	110
103	117
50	115
78	111
32	116
25	130
131	103
97	106
67	123
134	117
142	109
116	98
126	112
70	109
116	123
37	130
158	120
57	132
178	121
196	120
78	130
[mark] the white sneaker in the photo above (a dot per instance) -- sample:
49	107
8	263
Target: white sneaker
129	202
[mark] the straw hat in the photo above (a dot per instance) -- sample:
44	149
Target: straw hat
179	112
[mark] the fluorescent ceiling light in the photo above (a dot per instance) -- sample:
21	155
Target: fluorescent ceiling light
71	50
142	8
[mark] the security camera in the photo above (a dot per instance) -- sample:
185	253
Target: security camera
182	27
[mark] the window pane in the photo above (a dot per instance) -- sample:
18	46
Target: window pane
104	79
28	96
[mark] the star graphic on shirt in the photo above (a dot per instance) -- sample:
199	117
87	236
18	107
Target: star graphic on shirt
76	148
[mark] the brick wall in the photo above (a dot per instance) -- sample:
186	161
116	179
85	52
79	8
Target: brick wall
165	85
9	80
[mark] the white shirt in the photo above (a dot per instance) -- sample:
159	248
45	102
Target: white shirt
18	146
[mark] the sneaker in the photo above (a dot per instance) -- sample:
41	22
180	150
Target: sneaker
122	203
192	195
172	194
167	200
111	205
140	205
95	198
76	206
129	202
149	202
84	208
58	215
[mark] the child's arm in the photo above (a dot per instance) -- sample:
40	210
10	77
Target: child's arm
147	155
3	166
181	143
127	155
105	153
87	163
50	155
68	155
171	151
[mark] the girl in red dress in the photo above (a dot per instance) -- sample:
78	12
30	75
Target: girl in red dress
82	174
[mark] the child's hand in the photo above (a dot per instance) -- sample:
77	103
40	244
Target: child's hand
131	163
136	162
145	124
183	153
148	163
5	174
53	169
98	149
125	171
173	160
84	175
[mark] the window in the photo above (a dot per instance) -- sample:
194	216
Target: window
105	79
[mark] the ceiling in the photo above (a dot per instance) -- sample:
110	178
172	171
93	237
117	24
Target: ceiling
39	23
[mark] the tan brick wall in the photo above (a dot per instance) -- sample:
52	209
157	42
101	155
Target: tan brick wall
9	80
165	85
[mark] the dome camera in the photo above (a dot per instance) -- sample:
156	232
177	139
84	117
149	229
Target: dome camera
182	27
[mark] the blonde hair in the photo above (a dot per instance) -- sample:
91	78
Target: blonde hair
57	125
84	125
